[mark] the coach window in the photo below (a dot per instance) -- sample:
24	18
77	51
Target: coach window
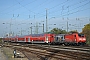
62	37
56	38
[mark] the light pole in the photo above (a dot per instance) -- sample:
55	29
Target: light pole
21	31
67	26
31	29
43	27
46	22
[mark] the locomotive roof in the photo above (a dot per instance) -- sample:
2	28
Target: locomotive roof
61	34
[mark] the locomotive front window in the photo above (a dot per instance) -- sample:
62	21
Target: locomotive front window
81	35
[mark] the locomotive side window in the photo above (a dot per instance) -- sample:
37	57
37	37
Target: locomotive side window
74	35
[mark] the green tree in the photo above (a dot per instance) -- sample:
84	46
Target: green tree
86	31
74	31
58	31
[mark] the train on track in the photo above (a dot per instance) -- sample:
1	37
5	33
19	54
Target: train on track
66	39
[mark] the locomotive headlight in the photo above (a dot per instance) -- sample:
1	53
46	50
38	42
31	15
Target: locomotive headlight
84	39
80	38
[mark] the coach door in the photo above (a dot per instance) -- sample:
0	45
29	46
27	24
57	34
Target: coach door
29	39
46	39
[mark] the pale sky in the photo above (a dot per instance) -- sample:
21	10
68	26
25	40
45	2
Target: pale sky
17	15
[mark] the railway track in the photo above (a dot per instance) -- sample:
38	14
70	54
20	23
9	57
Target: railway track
53	52
71	48
66	48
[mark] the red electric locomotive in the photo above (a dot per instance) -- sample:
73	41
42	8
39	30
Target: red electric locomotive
71	39
76	38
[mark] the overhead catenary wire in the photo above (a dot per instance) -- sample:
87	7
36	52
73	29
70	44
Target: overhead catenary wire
78	7
63	7
70	6
55	6
72	9
8	13
77	10
43	15
9	7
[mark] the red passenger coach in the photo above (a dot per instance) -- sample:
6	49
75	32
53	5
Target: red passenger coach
40	38
20	39
12	39
5	39
34	38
